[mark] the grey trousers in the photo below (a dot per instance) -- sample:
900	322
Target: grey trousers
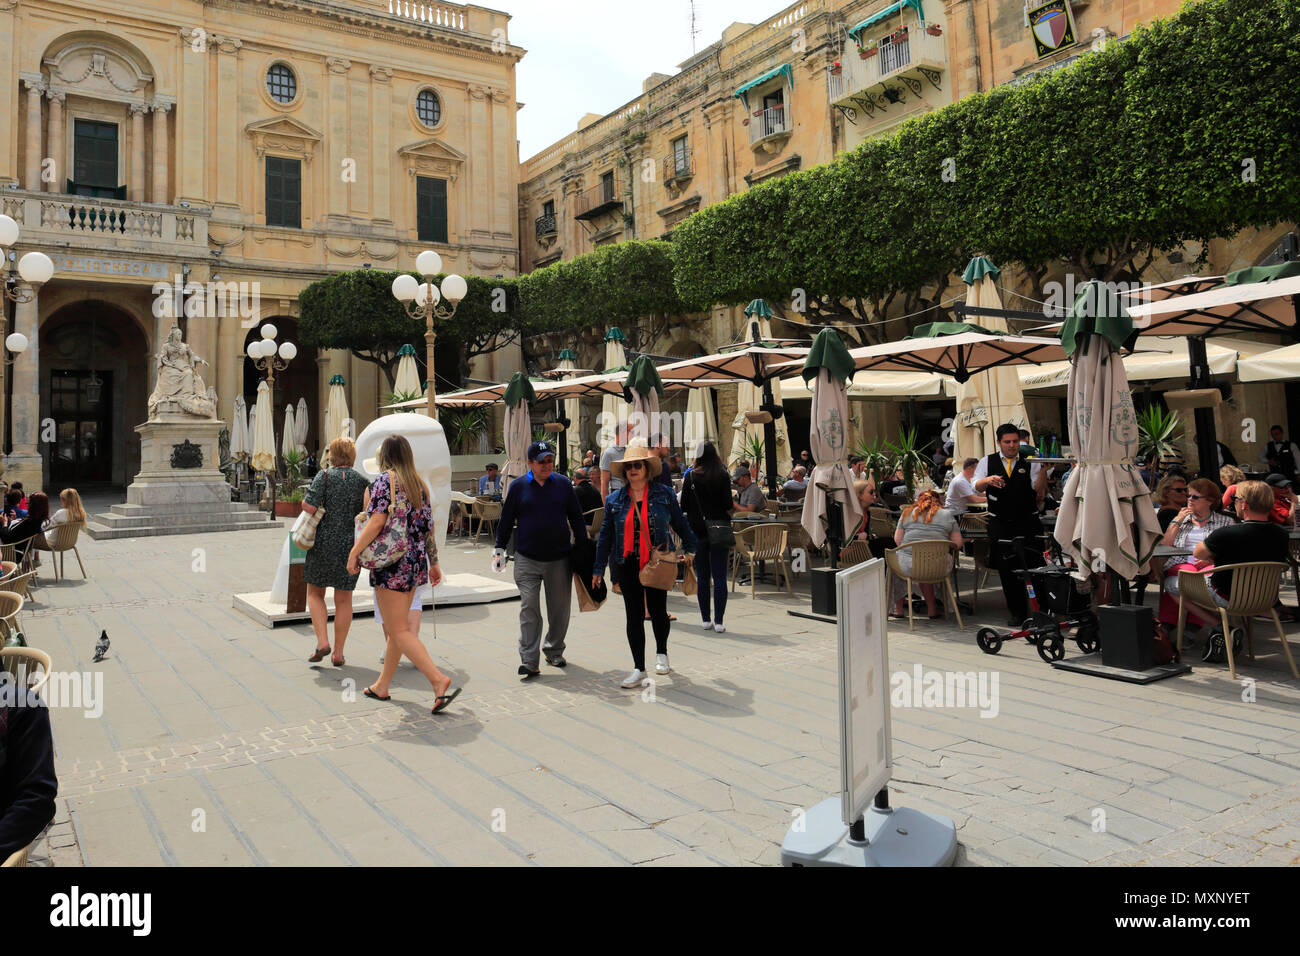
529	578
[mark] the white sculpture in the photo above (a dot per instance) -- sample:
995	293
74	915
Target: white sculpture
180	388
432	458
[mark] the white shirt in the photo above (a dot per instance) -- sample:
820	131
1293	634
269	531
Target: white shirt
959	492
982	470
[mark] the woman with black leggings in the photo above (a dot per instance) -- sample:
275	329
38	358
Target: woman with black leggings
706	496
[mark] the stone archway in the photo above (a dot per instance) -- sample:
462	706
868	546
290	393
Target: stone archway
92	394
299	380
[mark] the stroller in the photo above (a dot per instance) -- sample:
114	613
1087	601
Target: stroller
1057	603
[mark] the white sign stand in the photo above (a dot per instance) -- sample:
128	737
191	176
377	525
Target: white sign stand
841	831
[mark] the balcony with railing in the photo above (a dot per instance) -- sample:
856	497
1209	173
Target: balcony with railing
109	226
677	167
546	227
599	199
770	127
916	57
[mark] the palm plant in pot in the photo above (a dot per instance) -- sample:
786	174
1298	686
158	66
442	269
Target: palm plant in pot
877	458
1159	431
910	458
293	488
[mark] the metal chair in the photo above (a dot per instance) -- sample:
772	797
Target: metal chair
59	540
597	518
1254	591
932	563
763	542
978	524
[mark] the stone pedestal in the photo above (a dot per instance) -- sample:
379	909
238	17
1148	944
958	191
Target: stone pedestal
180	488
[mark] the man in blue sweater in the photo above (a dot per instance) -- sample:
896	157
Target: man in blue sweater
543	511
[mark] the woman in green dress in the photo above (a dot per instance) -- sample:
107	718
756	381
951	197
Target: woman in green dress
339	489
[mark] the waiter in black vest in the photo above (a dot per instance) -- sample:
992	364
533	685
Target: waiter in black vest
1015	488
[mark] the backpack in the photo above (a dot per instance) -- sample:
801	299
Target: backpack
1162	648
1216	648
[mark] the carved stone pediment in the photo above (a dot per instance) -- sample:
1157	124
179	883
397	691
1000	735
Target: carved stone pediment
432	157
283	134
94	68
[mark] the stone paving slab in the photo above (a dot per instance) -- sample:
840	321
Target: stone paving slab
208	715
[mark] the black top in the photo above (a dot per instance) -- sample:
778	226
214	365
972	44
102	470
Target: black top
545	514
1018	500
1166	515
704	499
20	532
588	499
1243	543
27	781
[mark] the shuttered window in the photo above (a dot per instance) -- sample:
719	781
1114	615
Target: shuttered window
431	209
283	192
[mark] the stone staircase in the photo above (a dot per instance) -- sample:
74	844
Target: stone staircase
142	521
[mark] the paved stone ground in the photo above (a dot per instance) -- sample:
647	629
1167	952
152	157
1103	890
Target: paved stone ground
211	719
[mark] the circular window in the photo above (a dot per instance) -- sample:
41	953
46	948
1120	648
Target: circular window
281	84
428	108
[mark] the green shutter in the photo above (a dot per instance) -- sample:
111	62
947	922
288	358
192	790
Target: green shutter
283	192
431	209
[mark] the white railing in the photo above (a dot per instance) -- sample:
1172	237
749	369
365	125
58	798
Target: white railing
917	48
103	222
769	122
836	87
433	14
783	22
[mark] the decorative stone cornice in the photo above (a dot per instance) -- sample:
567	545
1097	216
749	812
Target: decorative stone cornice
338	64
227	45
479	92
7	5
381	74
500	96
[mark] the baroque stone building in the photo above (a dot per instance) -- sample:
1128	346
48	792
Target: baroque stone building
226	154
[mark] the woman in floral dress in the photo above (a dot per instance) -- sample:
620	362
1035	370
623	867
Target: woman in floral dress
400	497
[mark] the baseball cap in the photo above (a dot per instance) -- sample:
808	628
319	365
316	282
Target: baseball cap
539	450
1278	481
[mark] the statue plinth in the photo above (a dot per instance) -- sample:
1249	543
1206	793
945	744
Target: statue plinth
179	464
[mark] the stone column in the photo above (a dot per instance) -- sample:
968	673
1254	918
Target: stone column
480	169
32	176
24	463
55	139
505	167
337	122
161	153
136	191
228	364
228	115
380	173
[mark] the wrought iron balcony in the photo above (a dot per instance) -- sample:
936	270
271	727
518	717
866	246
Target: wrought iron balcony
914	57
546	226
677	166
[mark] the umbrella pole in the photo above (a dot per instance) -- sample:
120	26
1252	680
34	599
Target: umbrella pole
1206	440
563	454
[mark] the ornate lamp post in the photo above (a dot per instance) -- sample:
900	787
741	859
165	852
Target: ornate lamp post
421	302
269	358
35	269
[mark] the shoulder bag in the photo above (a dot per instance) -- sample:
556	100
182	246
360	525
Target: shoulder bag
660	571
719	534
304	529
392	543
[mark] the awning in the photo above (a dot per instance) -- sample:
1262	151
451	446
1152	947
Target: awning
1161	357
783	70
889	11
1276	365
881	385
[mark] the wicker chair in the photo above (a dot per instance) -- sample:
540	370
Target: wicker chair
932	563
763	542
17	858
22	662
486	512
979	544
1254	591
880	522
59	540
10	552
597	516
19	584
7	569
1294	558
855	553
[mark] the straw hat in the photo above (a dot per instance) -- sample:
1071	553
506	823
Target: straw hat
637	450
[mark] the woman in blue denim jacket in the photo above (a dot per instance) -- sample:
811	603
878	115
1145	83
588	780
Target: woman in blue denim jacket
625	545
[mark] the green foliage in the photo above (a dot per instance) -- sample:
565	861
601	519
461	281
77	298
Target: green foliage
1159	431
878	458
395	397
1135	149
295	466
752	449
464	426
909	457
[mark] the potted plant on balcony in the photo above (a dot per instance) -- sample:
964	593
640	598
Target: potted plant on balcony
866	51
899	35
836	68
934	30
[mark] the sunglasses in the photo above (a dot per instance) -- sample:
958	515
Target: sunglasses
1197	498
1181	491
634	465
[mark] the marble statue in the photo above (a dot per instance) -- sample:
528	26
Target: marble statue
180	388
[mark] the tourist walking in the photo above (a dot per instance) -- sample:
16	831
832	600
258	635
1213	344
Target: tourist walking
542	510
707	504
400	520
339	490
638	519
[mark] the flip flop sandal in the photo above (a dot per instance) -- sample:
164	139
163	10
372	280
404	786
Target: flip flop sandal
373	696
319	656
340	662
441	703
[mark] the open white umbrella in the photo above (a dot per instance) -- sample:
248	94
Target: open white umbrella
263	431
408	375
239	437
827	369
990	398
519	429
289	437
337	423
611	407
1107	517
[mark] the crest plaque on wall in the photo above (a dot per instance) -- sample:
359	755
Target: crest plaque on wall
187	455
1052	25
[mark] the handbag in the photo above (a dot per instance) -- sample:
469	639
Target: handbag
304	529
719	534
660	571
392	543
690	584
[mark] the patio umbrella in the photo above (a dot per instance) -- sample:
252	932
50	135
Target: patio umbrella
289	437
1161	358
302	425
880	385
239	436
337	422
519	397
827	369
701	423
990	398
615	357
263	458
643	389
572	411
408	376
954	349
1106	515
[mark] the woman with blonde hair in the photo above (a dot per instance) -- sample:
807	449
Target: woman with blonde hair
339	490
401	508
924	520
71	510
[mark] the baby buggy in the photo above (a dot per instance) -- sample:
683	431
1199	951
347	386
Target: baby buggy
1058	601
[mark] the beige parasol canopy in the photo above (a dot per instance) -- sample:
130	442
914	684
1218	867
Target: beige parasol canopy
701	423
612	407
289	437
263	430
302	425
827	440
408	381
240	440
338	424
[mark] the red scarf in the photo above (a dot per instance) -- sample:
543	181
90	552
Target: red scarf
629	528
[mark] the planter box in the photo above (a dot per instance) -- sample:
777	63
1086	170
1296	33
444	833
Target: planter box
288	509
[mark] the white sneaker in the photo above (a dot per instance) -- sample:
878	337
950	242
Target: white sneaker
633	679
661	663
707	625
719	628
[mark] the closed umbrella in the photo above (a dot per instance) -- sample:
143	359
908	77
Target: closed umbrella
289	437
643	389
701	423
572	411
1107	517
337	423
239	437
302	424
519	429
990	398
408	376
263	431
827	369
615	358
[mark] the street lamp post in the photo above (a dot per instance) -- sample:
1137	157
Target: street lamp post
35	269
269	358
421	302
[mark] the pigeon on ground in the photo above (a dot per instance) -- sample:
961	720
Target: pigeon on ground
101	646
